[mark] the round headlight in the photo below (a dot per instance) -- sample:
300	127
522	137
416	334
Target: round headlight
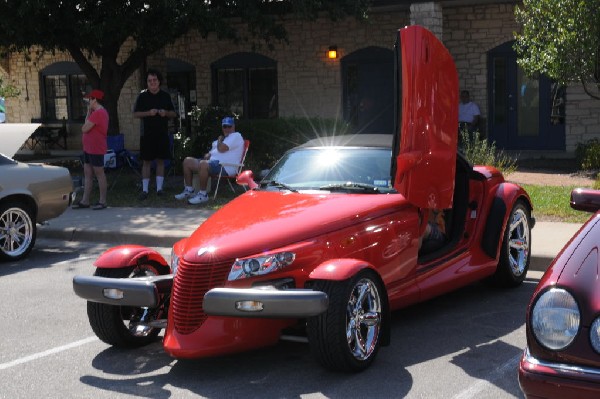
595	334
555	319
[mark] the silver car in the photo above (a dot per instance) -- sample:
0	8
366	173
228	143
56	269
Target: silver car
30	193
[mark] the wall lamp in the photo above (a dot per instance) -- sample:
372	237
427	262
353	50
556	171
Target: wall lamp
332	52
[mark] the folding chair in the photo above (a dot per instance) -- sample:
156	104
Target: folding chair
223	175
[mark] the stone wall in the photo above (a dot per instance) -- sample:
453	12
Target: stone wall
309	82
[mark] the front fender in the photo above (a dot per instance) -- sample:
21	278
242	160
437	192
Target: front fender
339	269
504	199
129	255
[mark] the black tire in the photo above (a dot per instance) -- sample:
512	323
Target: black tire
336	336
18	231
117	325
515	253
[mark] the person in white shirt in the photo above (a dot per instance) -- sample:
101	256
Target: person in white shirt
228	148
468	113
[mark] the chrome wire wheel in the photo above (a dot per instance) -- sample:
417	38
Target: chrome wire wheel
518	241
363	319
17	232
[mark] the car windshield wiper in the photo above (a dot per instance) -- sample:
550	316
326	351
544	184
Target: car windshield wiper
366	188
275	183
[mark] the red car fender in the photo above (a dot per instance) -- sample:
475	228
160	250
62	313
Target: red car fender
128	255
343	269
339	269
504	199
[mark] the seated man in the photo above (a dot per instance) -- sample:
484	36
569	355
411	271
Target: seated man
228	148
468	115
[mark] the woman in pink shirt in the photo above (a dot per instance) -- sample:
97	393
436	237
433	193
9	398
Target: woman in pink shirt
94	132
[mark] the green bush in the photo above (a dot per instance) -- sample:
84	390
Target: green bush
479	151
588	154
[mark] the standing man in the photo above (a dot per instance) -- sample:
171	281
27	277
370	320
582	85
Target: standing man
154	107
94	132
468	113
228	148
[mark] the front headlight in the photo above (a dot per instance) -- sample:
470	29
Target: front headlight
555	319
259	265
174	262
595	334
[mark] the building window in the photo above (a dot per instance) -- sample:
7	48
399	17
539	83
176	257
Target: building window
246	83
63	87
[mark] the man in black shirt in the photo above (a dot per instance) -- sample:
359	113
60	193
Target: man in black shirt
154	107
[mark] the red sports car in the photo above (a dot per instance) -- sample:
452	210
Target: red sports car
330	241
562	358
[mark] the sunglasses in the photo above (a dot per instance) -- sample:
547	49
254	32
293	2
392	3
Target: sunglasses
227	126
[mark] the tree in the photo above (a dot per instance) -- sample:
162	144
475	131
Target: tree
8	90
561	39
87	29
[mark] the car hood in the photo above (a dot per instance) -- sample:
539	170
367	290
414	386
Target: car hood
14	135
580	272
259	221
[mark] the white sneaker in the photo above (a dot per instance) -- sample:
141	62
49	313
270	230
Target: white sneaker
185	194
198	199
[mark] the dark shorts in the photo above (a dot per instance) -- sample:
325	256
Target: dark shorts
94	159
214	167
155	147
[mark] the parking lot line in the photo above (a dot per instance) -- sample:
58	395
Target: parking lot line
48	352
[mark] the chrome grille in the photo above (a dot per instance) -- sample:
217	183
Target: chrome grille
189	286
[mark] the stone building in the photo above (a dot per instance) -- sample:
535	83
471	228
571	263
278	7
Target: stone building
531	117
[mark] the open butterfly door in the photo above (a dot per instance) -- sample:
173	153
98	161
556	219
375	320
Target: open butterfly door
428	121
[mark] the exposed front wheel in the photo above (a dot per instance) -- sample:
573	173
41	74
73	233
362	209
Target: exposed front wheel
516	248
125	326
17	231
347	336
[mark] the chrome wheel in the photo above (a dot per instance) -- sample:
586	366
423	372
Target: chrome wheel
363	319
515	252
348	335
126	326
17	232
135	319
518	241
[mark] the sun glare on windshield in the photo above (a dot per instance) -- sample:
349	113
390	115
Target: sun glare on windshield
328	158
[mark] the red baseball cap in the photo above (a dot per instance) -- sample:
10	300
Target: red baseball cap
97	94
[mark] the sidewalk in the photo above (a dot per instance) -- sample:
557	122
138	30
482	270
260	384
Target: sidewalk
142	226
163	227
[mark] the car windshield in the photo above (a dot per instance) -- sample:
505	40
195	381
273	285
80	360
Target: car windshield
339	169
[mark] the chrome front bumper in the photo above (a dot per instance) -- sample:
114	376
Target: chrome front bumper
267	302
137	291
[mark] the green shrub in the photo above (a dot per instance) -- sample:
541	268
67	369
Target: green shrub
479	151
588	154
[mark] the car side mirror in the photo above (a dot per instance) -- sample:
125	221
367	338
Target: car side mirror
246	178
585	199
